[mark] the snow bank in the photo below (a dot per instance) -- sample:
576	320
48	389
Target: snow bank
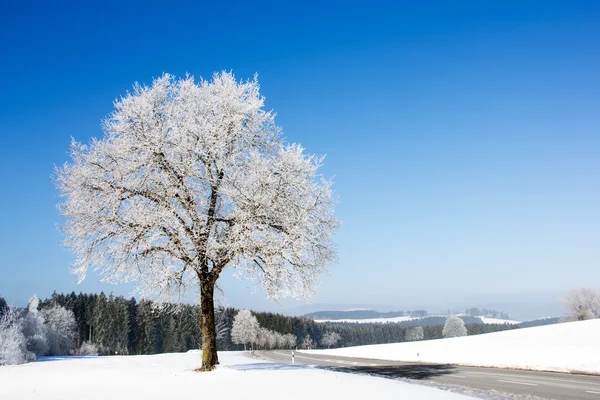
567	347
171	376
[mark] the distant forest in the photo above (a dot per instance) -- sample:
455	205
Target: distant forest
370	314
127	326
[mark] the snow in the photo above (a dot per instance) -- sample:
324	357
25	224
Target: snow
487	320
370	320
169	376
566	347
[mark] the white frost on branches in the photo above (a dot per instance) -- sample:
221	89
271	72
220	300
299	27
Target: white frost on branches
34	329
581	304
190	178
245	328
61	329
454	327
330	339
414	333
13	345
290	340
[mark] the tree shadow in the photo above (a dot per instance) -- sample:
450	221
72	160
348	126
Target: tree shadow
268	366
62	358
409	371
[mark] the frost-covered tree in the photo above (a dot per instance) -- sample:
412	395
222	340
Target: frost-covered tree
262	338
34	329
245	329
13	345
61	329
191	178
280	341
330	339
308	343
414	333
581	304
290	340
454	327
271	340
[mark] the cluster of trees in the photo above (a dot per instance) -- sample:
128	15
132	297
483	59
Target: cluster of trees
581	304
26	334
116	325
247	331
485	312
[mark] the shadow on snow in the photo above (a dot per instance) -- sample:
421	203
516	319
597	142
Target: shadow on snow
268	366
62	358
409	371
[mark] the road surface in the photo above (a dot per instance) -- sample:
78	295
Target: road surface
549	385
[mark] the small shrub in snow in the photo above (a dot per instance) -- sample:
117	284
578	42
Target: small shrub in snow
13	345
61	329
308	343
454	327
87	349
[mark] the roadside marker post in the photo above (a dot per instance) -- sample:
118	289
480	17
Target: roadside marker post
293	361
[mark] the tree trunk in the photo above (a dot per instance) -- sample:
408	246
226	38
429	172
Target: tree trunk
207	326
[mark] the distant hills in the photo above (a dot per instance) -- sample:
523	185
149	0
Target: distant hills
414	318
363	314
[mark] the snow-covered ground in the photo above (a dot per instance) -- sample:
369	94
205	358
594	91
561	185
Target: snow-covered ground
171	376
572	346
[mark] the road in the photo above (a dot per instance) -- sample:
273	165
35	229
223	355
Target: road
549	385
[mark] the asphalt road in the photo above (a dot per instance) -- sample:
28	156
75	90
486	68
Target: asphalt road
549	385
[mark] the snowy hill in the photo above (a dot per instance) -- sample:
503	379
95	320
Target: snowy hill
171	376
567	347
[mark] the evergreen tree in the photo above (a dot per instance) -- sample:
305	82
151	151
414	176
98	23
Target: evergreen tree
3	306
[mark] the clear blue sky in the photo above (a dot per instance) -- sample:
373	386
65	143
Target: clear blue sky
464	137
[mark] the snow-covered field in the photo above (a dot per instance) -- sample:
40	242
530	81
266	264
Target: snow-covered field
573	346
171	376
485	320
369	320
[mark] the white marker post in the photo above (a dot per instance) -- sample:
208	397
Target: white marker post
293	361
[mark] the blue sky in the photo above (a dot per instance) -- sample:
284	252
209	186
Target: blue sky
464	137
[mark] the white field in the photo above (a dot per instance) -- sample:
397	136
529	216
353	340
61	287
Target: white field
567	347
407	318
487	320
369	320
171	376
